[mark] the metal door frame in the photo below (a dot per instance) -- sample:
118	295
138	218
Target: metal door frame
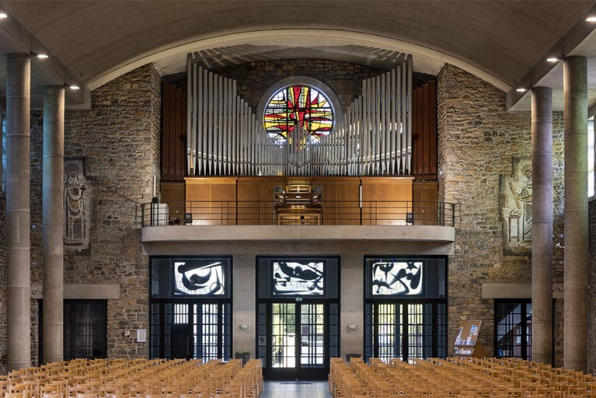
404	321
298	373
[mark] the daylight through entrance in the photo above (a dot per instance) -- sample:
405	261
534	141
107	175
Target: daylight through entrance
405	310
298	317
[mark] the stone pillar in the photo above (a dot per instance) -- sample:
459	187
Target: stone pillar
18	213
542	225
53	223
576	213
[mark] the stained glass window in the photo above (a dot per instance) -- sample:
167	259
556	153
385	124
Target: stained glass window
298	105
397	278
300	278
199	278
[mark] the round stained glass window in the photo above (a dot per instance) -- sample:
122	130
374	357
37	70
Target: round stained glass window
298	106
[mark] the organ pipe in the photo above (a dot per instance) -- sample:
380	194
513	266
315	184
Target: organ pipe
226	137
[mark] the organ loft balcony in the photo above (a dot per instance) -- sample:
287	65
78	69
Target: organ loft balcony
244	209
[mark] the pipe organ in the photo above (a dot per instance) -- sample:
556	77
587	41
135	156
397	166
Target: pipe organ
226	138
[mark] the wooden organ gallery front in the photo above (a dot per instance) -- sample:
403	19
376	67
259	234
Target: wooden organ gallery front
216	149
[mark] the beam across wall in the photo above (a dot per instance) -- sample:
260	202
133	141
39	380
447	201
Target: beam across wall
563	47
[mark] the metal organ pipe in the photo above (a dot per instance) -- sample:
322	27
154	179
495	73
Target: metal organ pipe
225	137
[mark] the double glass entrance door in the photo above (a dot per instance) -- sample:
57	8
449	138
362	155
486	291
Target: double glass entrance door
298	341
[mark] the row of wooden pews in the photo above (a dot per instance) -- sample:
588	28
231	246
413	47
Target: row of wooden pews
138	378
452	377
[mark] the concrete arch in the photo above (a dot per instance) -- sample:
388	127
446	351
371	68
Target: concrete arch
295	37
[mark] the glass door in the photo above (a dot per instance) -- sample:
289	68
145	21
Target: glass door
405	330
298	344
190	329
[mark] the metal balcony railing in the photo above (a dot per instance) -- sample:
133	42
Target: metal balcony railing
326	213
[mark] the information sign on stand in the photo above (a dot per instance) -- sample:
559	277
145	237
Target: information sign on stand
466	341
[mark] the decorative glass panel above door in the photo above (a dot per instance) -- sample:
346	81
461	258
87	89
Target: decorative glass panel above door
298	278
202	277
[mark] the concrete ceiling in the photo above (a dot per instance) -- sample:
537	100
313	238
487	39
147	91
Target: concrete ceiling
499	40
504	38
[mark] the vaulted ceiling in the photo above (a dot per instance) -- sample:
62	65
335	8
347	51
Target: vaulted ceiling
501	41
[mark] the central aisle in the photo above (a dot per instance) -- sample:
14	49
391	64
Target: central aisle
295	389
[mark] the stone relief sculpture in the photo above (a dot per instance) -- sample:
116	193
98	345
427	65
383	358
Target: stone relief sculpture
77	210
516	207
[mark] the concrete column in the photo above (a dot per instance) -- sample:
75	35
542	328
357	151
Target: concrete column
576	213
53	223
542	225
1	154
18	214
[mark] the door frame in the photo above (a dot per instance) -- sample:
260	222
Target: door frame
403	315
298	373
267	299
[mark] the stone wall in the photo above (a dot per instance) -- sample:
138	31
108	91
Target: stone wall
119	141
477	140
255	78
592	290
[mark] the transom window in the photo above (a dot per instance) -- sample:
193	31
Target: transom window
295	106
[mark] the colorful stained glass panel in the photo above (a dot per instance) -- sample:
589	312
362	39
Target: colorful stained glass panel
298	106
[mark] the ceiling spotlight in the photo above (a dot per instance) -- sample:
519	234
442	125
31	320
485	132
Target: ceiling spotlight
3	15
552	59
591	19
521	90
39	55
73	87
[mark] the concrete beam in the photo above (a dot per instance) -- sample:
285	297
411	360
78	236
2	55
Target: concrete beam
82	291
566	44
317	233
23	41
515	291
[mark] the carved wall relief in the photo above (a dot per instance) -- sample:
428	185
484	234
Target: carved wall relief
77	211
516	207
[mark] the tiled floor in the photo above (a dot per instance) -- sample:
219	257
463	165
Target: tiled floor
298	389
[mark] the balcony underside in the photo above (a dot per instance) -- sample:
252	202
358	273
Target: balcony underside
436	238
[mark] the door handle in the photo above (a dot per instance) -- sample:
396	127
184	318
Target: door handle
188	349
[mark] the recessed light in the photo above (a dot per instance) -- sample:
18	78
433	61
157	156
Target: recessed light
521	90
73	87
3	15
591	19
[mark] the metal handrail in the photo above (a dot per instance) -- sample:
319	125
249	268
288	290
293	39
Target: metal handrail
328	212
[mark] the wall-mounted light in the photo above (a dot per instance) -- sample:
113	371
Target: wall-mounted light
243	327
591	19
3	15
521	90
552	59
352	328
